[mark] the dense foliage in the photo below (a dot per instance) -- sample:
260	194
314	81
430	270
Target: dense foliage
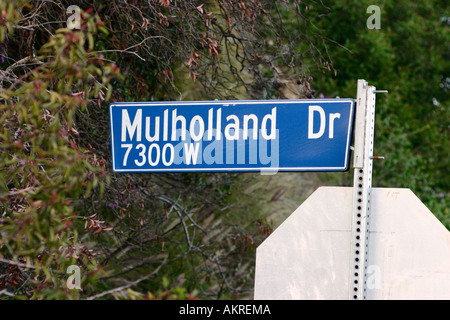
133	236
166	236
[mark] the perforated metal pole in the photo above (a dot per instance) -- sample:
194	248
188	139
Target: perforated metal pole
362	185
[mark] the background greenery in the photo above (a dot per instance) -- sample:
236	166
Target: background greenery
182	236
409	57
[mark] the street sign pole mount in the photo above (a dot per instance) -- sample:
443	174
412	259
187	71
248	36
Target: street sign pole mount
362	187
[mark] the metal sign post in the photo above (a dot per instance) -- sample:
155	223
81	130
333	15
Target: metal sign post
362	186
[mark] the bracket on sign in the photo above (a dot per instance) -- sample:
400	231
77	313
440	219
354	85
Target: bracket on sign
362	185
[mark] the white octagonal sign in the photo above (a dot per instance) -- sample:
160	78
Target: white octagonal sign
308	255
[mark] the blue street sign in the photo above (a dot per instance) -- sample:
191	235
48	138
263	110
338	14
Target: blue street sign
243	136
